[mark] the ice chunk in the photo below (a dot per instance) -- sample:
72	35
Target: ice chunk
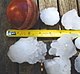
71	20
50	16
68	48
58	66
27	50
77	43
52	51
64	47
77	63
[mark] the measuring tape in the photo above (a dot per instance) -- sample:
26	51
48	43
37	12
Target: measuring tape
40	33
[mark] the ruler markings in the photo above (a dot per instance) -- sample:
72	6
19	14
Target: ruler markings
40	33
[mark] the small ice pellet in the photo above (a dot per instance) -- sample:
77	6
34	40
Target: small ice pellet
77	43
52	51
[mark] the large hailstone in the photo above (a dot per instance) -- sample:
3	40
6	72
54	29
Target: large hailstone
77	43
50	16
77	63
64	47
58	66
27	50
71	20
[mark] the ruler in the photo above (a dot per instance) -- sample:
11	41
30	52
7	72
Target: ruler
40	33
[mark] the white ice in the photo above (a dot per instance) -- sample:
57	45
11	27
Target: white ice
52	51
50	16
77	42
77	63
58	66
63	46
27	50
71	20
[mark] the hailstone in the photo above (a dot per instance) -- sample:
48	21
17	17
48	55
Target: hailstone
63	46
71	20
77	43
27	50
77	63
52	51
58	66
50	16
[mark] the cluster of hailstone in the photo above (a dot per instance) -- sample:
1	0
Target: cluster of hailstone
32	51
65	49
27	50
70	20
64	46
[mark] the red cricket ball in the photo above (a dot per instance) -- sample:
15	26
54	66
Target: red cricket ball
22	14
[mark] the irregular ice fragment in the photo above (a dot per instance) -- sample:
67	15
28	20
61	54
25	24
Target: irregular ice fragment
27	50
58	66
50	16
64	47
71	20
77	63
